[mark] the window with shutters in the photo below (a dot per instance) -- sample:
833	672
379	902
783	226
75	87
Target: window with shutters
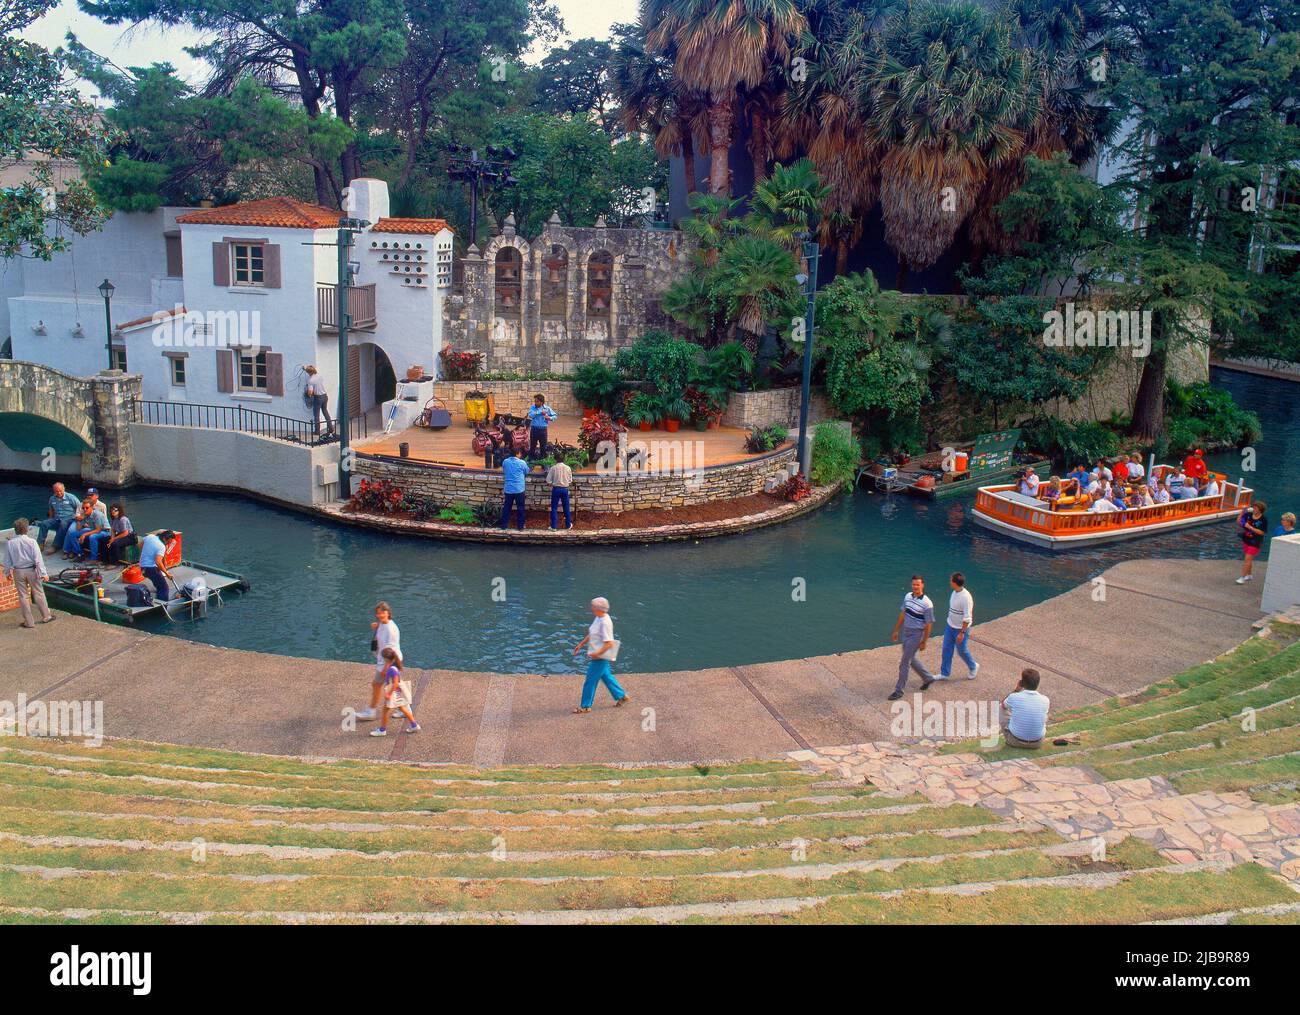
248	263
252	372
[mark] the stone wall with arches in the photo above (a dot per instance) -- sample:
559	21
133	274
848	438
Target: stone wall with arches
567	296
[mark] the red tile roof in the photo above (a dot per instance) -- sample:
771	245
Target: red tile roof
426	226
276	212
154	318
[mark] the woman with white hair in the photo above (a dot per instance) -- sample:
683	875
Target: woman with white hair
602	649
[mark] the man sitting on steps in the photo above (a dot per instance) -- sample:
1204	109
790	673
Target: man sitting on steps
1026	713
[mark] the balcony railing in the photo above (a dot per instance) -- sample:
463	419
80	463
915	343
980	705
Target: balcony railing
237	417
361	305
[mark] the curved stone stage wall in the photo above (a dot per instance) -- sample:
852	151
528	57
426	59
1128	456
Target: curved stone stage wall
590	491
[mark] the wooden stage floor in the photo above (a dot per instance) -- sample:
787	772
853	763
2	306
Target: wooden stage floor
451	447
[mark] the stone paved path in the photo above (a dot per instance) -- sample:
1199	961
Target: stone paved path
1078	804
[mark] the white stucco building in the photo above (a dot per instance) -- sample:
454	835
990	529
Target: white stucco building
225	306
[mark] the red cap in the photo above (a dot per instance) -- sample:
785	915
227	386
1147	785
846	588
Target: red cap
1199	451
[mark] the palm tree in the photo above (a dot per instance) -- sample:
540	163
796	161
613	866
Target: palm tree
756	283
653	100
711	224
720	47
946	93
783	204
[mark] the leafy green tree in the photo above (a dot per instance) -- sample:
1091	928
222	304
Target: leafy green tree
575	80
45	127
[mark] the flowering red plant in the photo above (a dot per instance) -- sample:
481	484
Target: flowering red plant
380	496
460	366
595	430
794	488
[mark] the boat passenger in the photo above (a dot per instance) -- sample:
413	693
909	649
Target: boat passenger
1194	464
113	544
1212	488
1052	491
1103	471
91	520
1099	487
1081	476
1162	494
1287	528
1029	483
1139	497
1136	471
153	556
1189	491
1103	505
62	513
1120	470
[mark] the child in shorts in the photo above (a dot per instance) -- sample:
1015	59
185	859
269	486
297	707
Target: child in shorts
397	695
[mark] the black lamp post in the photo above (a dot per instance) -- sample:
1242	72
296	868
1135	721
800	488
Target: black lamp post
106	290
807	279
478	172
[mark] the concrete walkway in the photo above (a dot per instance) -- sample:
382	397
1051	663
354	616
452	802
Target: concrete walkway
1157	618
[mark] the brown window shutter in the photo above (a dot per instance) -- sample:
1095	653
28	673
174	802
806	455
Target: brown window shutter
221	264
274	373
225	370
271	265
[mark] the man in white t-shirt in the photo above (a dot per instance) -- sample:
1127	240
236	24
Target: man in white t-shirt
386	635
601	650
956	633
1027	713
1029	483
1136	471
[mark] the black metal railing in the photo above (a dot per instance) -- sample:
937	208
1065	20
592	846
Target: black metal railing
239	418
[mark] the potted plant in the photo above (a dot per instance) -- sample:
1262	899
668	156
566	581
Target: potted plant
641	411
596	386
675	409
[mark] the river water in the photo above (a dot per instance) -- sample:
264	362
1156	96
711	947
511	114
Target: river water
717	602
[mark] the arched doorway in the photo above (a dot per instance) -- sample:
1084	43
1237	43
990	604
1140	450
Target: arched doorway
374	381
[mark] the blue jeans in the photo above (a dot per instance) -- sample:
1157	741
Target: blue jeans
963	649
160	586
72	542
560	495
97	544
598	672
59	527
515	500
537	440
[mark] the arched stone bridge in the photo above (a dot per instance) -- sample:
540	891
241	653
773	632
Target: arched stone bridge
44	411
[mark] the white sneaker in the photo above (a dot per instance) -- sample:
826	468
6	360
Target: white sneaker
366	714
1244	578
380	732
974	673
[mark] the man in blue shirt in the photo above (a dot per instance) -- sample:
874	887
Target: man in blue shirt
153	553
1082	476
515	470
539	417
63	511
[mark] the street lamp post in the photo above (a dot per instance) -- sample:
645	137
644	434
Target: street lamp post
477	172
348	227
807	279
106	290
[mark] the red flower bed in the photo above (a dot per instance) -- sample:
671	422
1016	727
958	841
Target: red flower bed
381	496
460	366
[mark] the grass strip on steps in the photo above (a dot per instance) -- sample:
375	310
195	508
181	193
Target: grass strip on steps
41	799
107	764
1141	897
179	861
1227	778
25	822
381	892
199	757
1265	919
1218	731
388	800
1224	750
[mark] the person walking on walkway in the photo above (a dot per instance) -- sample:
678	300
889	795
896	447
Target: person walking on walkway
914	620
386	636
560	476
956	633
1253	526
516	471
602	649
25	564
397	694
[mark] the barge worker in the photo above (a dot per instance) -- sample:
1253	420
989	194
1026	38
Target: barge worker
153	561
956	632
385	635
1194	464
1026	713
62	513
560	476
1253	524
915	620
1287	528
540	415
516	471
1119	473
24	563
1136	471
602	650
92	520
112	545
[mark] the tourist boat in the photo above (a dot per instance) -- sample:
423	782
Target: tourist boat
960	467
1004	509
94	590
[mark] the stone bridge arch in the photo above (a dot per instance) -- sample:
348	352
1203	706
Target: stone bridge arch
43	409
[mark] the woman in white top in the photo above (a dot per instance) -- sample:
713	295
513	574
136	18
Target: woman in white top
386	635
601	646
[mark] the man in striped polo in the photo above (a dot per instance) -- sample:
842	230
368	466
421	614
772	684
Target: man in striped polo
914	620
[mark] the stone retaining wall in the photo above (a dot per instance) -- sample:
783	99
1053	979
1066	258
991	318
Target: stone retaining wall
511	396
590	491
774	407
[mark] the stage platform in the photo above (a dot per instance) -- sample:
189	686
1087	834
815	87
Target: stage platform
451	447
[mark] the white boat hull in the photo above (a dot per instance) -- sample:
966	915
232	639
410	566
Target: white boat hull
1098	538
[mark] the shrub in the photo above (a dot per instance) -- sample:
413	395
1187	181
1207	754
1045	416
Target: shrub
422	509
764	438
460	366
595	430
1201	415
794	488
1069	443
459	513
378	496
597	386
835	456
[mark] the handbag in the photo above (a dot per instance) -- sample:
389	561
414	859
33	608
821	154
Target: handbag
610	654
374	644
